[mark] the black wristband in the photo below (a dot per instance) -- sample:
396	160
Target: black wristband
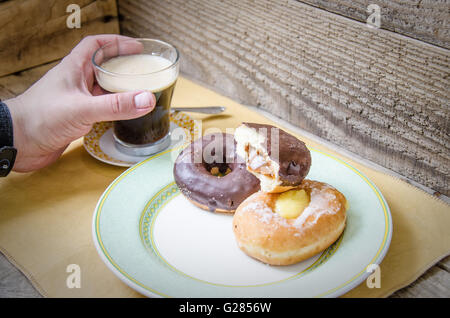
7	151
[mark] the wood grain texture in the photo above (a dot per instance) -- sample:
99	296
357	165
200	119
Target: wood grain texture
434	283
13	284
426	20
34	32
373	92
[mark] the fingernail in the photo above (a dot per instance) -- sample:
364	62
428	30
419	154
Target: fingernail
143	100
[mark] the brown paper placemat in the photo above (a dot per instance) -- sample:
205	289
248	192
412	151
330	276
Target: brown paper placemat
45	216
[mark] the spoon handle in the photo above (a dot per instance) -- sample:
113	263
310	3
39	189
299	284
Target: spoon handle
204	110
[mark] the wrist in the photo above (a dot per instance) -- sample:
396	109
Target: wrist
7	151
15	107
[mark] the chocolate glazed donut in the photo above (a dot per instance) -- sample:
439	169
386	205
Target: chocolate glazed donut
223	193
279	171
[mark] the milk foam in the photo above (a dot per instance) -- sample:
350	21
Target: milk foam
137	73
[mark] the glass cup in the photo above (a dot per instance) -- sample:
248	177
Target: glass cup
140	64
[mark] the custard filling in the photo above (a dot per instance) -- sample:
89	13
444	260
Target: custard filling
290	204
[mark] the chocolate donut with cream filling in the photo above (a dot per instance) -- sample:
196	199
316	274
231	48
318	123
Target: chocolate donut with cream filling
212	176
278	159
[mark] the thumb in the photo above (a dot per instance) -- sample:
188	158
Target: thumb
119	106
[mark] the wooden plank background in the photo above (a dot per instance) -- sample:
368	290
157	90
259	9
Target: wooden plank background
426	20
34	32
381	95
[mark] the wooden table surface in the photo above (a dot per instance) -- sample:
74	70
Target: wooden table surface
433	283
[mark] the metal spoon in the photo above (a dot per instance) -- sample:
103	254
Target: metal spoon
204	110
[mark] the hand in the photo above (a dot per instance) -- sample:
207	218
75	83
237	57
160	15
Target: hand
64	104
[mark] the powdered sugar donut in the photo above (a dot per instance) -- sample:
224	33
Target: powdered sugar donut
263	233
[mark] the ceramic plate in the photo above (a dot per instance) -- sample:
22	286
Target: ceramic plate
160	244
100	144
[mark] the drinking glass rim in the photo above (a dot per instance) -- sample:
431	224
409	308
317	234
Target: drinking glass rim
143	74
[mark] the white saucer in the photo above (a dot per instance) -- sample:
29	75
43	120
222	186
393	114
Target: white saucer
100	144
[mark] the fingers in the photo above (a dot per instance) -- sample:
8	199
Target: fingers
118	47
113	45
119	106
104	107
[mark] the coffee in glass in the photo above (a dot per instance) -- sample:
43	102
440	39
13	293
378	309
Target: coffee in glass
140	64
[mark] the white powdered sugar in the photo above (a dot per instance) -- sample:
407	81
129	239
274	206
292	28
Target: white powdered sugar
319	205
266	214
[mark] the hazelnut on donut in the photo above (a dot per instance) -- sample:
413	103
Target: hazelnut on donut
289	227
279	160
